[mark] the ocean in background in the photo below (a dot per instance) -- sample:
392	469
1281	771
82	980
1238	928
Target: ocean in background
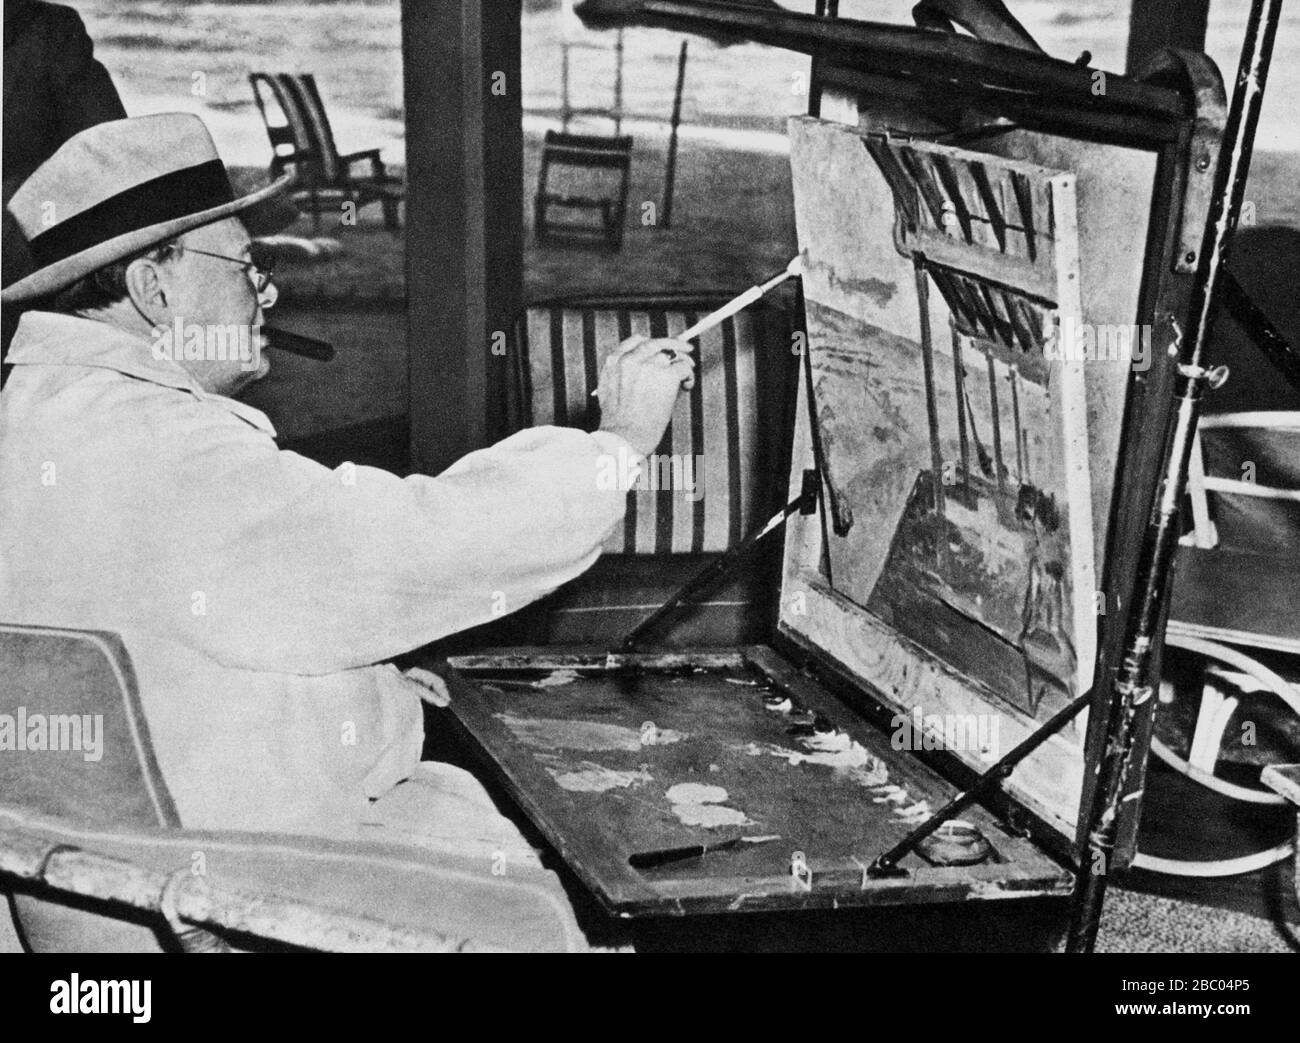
196	56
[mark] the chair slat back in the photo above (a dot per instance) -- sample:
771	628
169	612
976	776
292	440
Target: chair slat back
314	112
301	131
292	137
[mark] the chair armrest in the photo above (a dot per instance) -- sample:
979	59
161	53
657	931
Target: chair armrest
372	154
295	890
279	164
304	164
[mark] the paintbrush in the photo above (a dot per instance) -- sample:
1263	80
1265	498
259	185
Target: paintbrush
667	855
740	303
737	304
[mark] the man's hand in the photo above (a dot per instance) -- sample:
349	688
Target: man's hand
638	389
435	688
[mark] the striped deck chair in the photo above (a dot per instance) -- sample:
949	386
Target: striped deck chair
304	143
718	472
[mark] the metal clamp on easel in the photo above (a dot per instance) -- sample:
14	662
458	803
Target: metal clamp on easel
1214	378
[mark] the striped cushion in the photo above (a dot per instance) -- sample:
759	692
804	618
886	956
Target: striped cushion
703	488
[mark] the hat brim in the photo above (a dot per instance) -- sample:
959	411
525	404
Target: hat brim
262	212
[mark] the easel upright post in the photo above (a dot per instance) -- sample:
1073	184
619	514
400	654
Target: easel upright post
1133	685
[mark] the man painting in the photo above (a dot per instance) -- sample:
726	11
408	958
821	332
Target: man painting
258	592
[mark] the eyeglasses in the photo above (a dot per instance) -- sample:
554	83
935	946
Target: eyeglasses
259	271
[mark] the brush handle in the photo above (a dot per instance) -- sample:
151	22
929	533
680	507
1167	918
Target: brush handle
740	303
733	306
729	309
650	859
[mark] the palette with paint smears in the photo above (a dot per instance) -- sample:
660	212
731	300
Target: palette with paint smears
665	754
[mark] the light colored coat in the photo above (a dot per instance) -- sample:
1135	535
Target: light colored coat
254	588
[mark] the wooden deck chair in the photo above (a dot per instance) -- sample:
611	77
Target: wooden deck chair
304	143
94	857
1235	606
596	155
718	472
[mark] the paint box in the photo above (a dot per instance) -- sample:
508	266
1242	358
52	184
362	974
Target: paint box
986	479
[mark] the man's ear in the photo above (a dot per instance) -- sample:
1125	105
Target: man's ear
145	287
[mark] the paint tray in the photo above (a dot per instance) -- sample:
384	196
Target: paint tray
668	751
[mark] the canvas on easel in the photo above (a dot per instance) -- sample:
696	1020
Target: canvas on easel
958	557
952	423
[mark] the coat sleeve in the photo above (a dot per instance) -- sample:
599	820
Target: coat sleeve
304	569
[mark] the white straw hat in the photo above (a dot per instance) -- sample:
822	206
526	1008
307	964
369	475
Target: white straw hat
119	187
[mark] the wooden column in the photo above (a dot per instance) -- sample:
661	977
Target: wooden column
1156	24
464	217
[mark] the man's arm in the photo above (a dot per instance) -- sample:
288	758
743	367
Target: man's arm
302	569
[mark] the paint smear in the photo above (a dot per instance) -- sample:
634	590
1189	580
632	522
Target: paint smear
832	750
870	775
696	793
652	735
914	813
910	811
556	678
596	778
698	804
551	733
710	816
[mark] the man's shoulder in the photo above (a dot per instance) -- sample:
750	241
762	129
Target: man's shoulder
79	404
83	371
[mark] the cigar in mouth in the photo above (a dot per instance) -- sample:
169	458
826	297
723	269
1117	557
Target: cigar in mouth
297	344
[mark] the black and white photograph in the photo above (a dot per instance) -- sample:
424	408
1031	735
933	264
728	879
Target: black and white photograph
651	476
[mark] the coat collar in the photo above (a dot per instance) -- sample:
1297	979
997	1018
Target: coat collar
51	339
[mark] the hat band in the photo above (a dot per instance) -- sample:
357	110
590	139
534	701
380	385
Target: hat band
171	196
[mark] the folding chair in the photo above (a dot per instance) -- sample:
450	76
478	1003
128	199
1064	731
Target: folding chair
304	142
96	859
587	152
